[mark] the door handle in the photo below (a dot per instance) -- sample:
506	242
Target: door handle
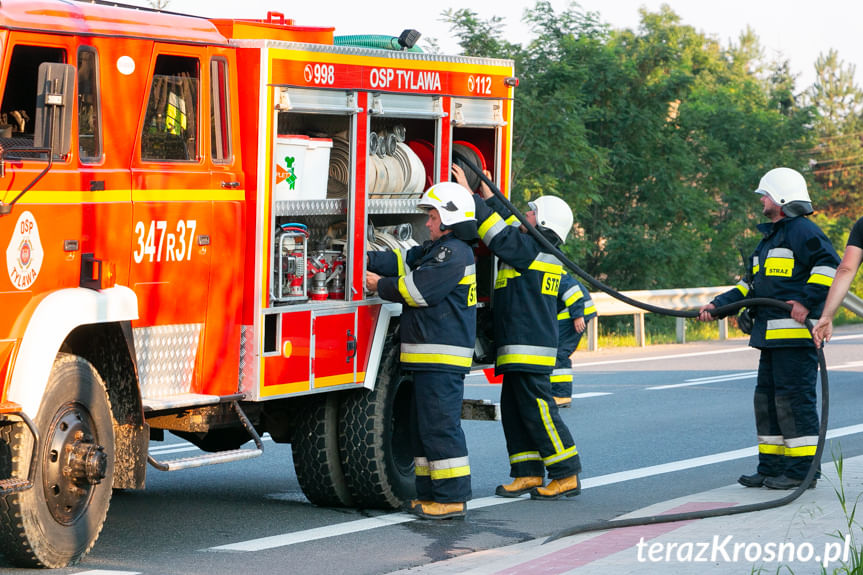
352	347
230	184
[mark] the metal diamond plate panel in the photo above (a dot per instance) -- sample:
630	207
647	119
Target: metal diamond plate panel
166	358
247	362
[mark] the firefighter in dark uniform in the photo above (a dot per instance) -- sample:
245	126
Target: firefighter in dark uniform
794	262
436	285
525	331
575	309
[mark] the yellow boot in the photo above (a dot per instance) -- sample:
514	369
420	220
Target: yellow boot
414	502
435	510
519	486
563	402
557	488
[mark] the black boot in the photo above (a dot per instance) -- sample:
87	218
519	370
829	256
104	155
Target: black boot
754	480
785	482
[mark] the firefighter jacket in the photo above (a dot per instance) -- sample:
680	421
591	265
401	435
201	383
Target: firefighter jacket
436	285
525	295
793	261
573	302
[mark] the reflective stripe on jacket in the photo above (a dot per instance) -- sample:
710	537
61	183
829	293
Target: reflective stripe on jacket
436	283
525	295
793	261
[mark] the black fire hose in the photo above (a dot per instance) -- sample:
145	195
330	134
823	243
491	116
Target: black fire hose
718	312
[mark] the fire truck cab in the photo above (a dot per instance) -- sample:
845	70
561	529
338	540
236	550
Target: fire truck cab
185	209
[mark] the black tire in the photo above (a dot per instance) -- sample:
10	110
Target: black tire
374	438
315	449
57	521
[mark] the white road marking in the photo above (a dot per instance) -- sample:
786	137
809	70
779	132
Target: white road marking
395	518
706	380
742	375
712	378
317	533
589	394
107	572
661	357
845	365
621	476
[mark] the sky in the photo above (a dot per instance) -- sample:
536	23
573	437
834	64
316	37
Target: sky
797	30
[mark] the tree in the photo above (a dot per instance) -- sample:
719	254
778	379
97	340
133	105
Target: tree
656	137
837	159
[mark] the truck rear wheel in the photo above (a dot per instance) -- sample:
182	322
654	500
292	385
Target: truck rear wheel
315	448
57	521
374	438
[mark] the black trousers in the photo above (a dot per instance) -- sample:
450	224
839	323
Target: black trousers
439	446
537	439
786	412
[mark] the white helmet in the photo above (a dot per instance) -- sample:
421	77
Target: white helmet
554	214
453	202
788	189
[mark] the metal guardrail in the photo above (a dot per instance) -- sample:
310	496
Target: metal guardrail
678	299
853	304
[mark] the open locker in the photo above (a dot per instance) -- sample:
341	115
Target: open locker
312	172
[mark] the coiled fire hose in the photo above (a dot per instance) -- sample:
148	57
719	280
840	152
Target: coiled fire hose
718	312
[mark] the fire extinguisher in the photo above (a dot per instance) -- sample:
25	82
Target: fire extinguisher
292	258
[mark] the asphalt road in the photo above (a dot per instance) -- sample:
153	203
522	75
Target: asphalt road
650	425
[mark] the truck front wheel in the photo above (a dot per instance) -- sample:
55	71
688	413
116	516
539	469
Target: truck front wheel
57	521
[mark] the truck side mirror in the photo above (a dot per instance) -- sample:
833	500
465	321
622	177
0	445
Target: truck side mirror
54	103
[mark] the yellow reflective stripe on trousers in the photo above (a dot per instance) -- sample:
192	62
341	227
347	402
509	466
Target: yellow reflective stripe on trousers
801	446
561	378
560	453
449	468
547	422
525	456
558	457
771	444
804	451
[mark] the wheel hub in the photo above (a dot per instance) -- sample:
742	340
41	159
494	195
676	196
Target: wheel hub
72	464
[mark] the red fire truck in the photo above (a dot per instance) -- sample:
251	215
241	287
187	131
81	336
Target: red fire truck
185	208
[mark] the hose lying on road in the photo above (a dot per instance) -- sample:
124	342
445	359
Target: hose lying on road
718	312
